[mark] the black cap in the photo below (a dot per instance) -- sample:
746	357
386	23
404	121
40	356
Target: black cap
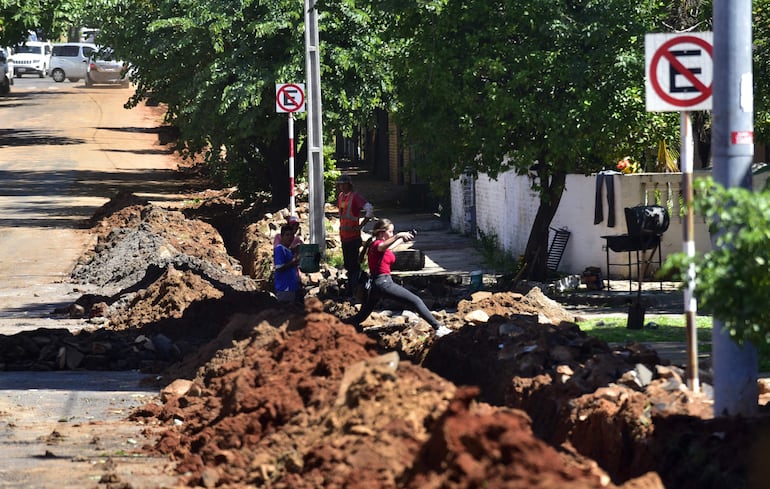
344	179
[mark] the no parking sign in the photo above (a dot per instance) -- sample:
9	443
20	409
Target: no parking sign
290	97
679	71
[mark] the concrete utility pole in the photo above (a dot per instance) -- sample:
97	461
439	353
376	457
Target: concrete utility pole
315	154
735	368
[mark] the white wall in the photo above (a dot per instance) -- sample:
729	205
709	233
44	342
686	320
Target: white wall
506	208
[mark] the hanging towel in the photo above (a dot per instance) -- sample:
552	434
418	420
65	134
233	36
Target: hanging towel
605	178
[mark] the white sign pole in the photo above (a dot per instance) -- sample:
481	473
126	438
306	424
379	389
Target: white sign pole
290	98
292	209
688	243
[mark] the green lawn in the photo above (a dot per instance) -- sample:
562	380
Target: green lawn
612	329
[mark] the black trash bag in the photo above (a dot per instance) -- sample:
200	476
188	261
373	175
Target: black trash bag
635	314
647	219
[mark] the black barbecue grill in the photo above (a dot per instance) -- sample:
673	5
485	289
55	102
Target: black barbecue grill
645	225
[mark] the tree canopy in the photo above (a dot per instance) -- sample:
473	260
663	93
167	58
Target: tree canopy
216	65
492	85
46	18
761	36
531	85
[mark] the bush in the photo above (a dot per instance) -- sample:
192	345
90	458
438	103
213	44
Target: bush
732	280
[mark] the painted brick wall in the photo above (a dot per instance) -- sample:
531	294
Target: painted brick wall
506	207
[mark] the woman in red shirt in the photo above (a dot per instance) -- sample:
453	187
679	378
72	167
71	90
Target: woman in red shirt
380	257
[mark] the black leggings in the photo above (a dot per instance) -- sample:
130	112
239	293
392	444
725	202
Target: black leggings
384	286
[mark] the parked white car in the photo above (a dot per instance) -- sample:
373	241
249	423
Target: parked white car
33	58
69	61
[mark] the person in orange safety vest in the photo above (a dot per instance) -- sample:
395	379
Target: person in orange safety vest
353	207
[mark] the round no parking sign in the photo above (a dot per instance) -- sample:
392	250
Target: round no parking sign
290	97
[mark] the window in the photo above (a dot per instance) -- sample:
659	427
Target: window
66	50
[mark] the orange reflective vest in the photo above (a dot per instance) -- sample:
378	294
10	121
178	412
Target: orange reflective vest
350	211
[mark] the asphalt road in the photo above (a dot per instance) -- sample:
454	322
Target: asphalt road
64	151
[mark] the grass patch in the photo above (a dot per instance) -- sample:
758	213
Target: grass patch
669	328
612	329
334	258
492	255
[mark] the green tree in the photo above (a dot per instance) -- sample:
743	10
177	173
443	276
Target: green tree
49	18
550	87
761	36
216	65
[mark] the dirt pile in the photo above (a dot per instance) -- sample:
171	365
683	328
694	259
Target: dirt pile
160	286
137	239
257	393
307	404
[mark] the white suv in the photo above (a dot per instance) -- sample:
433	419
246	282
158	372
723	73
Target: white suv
32	57
70	60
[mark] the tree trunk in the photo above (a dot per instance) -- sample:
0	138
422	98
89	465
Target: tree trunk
536	252
701	128
277	158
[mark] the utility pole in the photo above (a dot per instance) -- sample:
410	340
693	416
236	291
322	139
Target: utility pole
315	155
735	368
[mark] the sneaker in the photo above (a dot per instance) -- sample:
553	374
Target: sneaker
443	331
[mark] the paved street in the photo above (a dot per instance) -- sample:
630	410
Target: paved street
65	151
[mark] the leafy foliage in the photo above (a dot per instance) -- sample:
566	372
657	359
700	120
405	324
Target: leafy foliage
761	68
540	87
48	18
504	84
732	280
493	257
216	65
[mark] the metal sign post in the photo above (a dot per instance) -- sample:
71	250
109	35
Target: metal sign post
292	206
679	69
290	98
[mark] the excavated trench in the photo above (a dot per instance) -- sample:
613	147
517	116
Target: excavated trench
280	396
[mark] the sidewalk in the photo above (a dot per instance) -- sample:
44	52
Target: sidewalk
446	252
660	299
